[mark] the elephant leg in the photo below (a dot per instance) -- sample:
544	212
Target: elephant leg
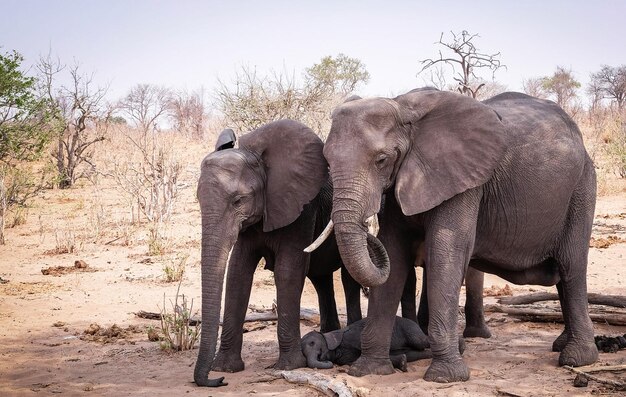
407	302
243	261
289	273
572	255
398	361
475	325
329	321
422	313
560	342
450	236
352	292
383	304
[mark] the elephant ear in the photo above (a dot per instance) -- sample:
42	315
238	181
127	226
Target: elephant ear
294	165
456	143
226	140
333	339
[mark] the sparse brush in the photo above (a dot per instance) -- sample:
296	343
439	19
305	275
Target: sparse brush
65	242
177	333
175	269
158	243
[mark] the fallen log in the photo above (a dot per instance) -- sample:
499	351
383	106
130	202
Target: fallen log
594	299
602	368
305	314
319	382
550	316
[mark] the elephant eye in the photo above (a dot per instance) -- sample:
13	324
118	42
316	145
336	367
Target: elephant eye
237	200
381	160
311	343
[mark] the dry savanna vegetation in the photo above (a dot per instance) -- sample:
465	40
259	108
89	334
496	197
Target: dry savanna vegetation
99	223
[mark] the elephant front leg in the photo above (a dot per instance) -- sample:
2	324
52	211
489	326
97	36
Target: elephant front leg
289	273
450	236
352	292
383	304
238	286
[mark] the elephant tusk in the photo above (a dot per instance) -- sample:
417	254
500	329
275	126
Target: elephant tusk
322	237
372	225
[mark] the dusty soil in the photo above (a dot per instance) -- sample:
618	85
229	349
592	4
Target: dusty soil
43	318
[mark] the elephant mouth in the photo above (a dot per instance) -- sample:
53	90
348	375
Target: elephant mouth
370	223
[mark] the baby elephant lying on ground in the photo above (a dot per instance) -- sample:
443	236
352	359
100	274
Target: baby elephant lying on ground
343	346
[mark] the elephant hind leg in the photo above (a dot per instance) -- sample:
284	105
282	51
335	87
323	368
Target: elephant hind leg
352	292
571	257
475	325
560	342
329	320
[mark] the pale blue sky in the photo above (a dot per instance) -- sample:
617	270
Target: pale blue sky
189	44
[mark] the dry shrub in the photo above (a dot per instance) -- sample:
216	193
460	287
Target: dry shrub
177	333
175	268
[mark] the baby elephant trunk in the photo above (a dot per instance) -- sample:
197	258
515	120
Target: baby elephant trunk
312	361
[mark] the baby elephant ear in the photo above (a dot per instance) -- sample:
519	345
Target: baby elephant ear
456	144
333	339
226	140
295	167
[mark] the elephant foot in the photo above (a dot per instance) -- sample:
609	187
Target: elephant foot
399	361
370	366
443	371
481	331
225	362
560	342
577	354
289	361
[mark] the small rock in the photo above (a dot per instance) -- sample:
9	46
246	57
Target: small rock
581	381
80	264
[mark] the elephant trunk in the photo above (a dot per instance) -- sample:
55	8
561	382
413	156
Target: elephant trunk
216	245
363	254
312	361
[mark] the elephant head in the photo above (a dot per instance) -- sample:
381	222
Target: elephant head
276	170
319	348
426	145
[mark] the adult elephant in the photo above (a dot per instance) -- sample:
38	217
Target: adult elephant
503	185
267	198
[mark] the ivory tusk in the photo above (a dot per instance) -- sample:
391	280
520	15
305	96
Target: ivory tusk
325	233
372	225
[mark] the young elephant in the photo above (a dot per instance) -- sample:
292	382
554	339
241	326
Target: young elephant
343	346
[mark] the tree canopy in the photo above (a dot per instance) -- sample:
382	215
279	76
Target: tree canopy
23	134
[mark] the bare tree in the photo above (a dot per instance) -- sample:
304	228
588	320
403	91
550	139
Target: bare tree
76	109
465	61
534	87
145	105
562	87
610	83
188	113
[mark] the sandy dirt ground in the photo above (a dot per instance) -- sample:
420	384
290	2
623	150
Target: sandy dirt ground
44	350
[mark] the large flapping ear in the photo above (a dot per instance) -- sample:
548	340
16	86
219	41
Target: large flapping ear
226	140
457	142
333	338
294	165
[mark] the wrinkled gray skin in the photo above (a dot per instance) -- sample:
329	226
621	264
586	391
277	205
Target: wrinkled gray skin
505	186
268	198
343	346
